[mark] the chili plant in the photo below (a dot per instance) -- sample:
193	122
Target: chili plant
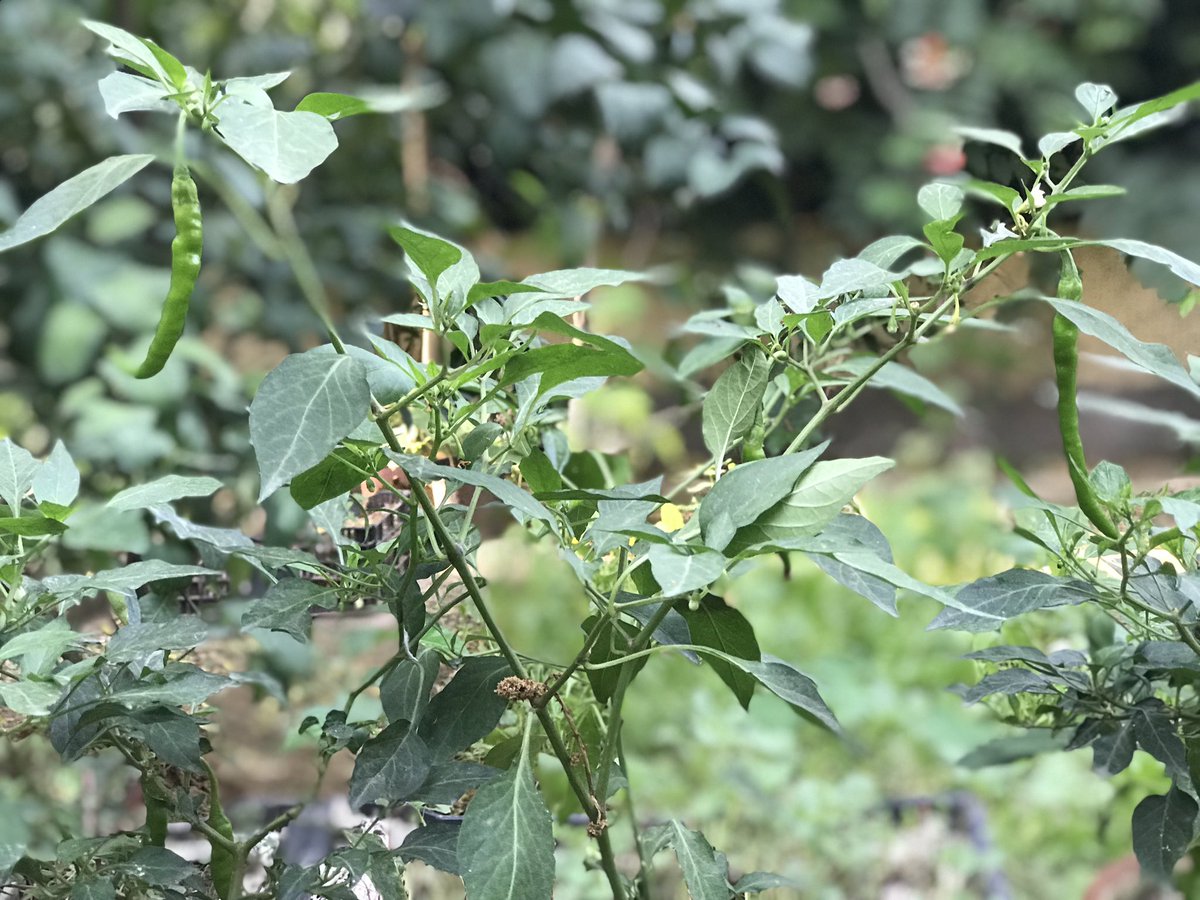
479	421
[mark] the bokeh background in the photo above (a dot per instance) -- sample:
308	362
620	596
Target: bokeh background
714	143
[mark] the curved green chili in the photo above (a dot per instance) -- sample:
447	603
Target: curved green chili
157	814
185	269
223	862
1066	364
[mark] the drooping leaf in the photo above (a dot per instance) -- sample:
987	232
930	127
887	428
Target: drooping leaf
302	409
137	641
734	401
72	196
1163	829
788	683
435	843
516	500
714	624
901	379
129	577
287	607
390	766
467	708
1156	735
996	136
404	691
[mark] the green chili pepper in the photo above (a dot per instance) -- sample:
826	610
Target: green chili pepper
223	862
1066	363
185	268
157	814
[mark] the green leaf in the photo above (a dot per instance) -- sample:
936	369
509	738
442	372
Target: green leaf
435	843
612	642
860	540
704	870
1163	829
57	478
989	190
302	409
285	145
506	844
17	471
1087	192
577	282
159	866
99	887
287	607
515	499
1096	99
988	603
680	572
31	526
41	647
30	698
817	498
996	136
1184	268
595	355
713	624
333	106
179	684
427	252
467	708
1002	751
1157	359
166	489
788	683
130	50
757	882
1156	734
449	781
734	401
72	196
946	242
390	766
171	735
1133	120
940	201
405	691
177	75
539	473
129	577
1056	142
339	472
1113	751
748	491
137	641
848	276
901	379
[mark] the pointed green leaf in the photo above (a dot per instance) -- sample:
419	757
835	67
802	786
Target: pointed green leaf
1163	829
72	196
57	478
390	766
166	489
714	624
704	870
467	708
987	603
734	401
679	572
287	607
17	471
302	409
405	691
506	844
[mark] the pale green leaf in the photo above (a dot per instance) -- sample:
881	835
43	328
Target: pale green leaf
166	489
285	145
302	409
733	403
57	478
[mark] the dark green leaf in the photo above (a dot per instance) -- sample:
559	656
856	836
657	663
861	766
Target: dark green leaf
389	767
704	870
986	604
435	844
448	781
506	844
135	642
287	607
405	691
467	708
1163	829
723	628
339	472
1156	734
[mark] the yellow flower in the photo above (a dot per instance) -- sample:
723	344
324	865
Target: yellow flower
670	518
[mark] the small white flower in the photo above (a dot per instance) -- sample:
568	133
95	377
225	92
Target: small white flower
1038	196
999	231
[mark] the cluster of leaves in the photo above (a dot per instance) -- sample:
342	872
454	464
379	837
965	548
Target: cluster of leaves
481	421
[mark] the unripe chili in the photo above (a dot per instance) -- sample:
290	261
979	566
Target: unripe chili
185	269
